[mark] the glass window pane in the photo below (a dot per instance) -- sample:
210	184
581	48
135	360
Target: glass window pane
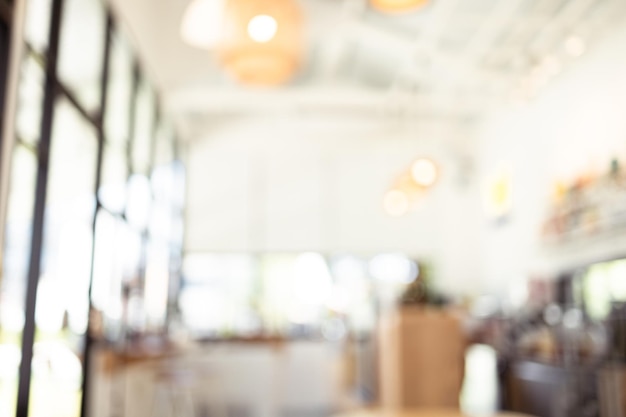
616	280
117	266
109	272
164	145
119	91
14	272
22	188
62	298
156	284
81	49
37	24
144	129
163	178
296	290
178	202
131	251
215	300
112	192
177	230
30	101
596	291
133	296
115	173
352	292
73	139
160	221
178	199
139	202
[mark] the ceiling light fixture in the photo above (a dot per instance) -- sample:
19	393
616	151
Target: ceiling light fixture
410	187
261	41
424	172
398	6
396	203
262	28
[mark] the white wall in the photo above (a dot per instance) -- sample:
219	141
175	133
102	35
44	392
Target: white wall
576	125
269	185
297	185
301	184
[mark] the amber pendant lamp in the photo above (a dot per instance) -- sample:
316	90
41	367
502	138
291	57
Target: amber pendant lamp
398	6
261	41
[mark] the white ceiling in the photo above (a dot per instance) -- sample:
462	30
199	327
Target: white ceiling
305	166
449	62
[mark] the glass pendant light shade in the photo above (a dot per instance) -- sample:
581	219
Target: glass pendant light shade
261	40
397	6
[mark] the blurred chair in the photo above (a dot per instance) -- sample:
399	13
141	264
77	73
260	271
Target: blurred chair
173	394
309	384
250	379
187	389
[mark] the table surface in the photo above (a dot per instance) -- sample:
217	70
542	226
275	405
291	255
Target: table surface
426	412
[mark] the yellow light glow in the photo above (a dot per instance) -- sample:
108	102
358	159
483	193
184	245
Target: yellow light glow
424	172
262	28
262	41
398	6
396	203
498	192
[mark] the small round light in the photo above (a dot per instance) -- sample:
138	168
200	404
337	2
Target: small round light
263	41
262	28
396	203
424	172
